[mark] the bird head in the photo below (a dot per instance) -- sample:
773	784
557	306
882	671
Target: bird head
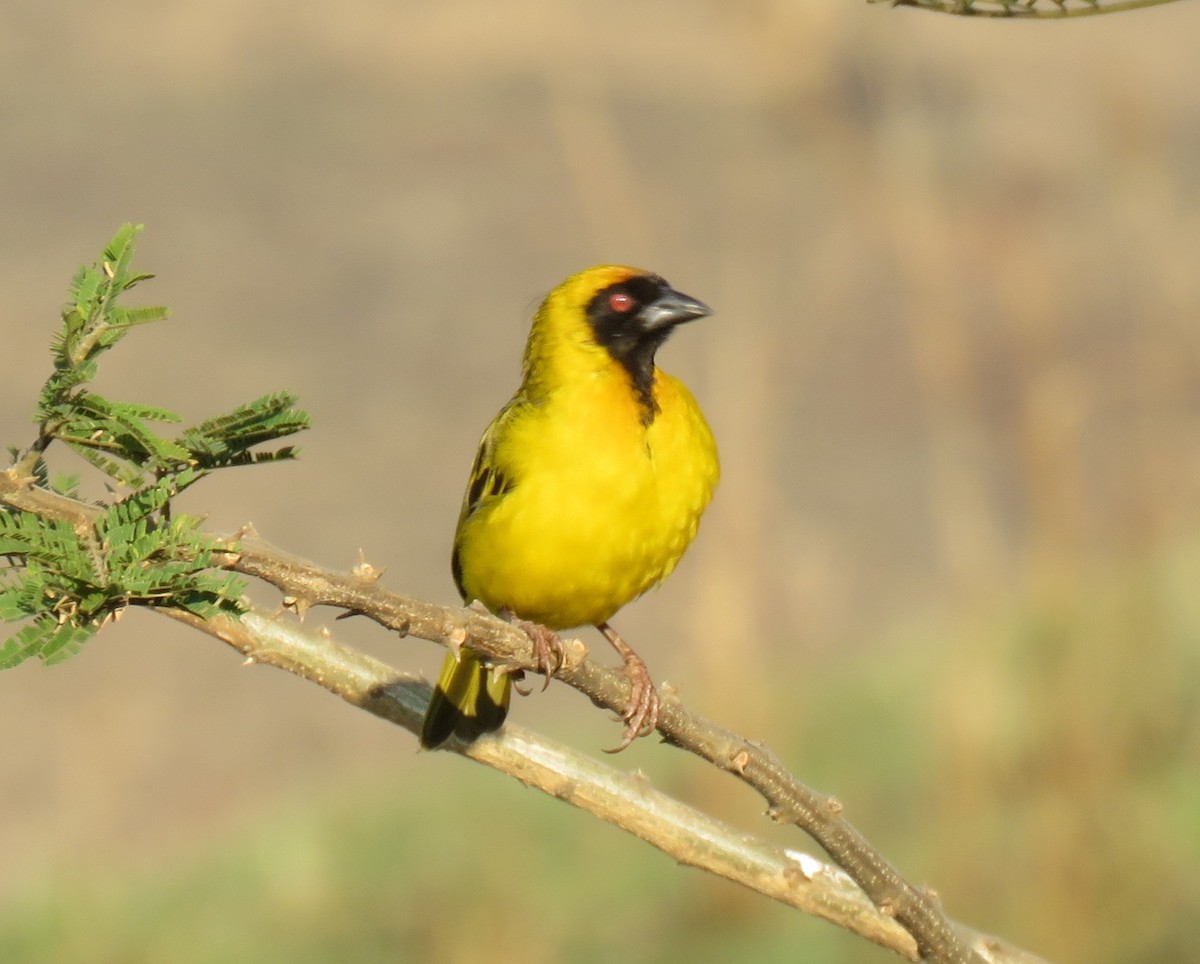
606	314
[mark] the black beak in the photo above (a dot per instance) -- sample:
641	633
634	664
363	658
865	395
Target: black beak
671	308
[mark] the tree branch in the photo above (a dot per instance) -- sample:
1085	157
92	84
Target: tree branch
623	799
1025	9
305	584
887	910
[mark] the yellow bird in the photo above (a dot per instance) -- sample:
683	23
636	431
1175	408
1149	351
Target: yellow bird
586	489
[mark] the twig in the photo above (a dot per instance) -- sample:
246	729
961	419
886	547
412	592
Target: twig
1025	9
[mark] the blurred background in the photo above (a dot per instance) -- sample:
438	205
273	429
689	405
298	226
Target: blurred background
951	572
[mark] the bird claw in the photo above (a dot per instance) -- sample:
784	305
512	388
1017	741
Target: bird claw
517	676
547	645
641	715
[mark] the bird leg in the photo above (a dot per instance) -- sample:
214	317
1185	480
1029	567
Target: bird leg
641	716
546	644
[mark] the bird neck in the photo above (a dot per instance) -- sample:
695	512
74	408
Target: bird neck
637	359
551	368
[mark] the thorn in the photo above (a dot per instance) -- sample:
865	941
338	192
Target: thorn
833	806
245	531
775	812
455	639
26	479
295	604
363	571
249	660
738	762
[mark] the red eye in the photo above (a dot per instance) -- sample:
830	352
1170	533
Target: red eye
620	302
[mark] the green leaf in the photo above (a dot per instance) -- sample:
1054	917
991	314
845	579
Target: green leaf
119	251
124	473
29	641
149	413
227	439
65	641
128	317
65	585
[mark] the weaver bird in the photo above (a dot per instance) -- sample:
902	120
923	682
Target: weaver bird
586	489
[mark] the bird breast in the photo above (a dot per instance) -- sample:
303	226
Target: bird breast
602	507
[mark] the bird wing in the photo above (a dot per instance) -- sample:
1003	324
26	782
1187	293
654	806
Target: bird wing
491	477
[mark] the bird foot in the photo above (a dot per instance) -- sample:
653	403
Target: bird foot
547	645
641	715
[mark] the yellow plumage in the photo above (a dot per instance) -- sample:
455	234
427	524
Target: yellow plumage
587	487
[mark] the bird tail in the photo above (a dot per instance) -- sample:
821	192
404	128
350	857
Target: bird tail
468	701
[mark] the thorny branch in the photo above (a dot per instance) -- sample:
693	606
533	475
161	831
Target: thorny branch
1025	9
887	910
305	584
